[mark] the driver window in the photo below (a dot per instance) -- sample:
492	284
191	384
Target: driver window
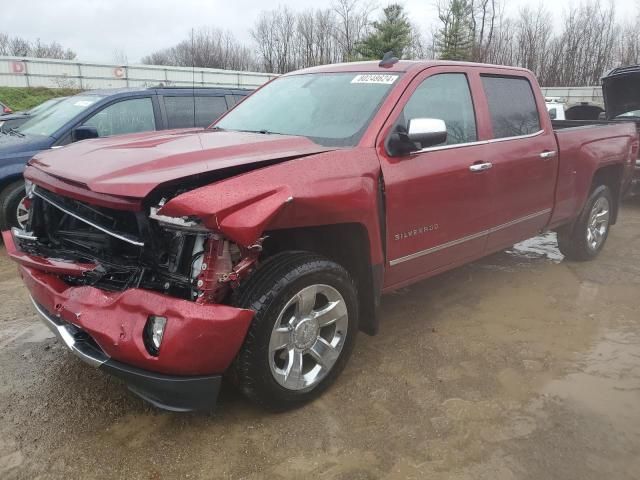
446	97
128	116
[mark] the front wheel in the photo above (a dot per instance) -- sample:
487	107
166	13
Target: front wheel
306	320
587	236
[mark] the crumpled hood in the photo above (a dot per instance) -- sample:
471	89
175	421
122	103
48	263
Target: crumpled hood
133	165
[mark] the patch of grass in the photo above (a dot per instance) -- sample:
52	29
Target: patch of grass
25	98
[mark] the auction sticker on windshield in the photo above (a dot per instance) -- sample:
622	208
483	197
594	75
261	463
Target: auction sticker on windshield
375	78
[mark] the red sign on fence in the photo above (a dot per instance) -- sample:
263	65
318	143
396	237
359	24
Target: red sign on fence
18	67
119	72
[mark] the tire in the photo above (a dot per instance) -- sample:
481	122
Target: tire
284	287
10	199
579	241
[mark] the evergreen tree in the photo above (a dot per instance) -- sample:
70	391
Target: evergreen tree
392	33
454	41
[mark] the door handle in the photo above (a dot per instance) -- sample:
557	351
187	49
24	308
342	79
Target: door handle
547	154
480	166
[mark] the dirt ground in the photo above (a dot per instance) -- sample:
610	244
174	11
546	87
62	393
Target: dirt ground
520	366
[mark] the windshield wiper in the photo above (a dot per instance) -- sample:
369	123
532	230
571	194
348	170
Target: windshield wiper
263	132
14	132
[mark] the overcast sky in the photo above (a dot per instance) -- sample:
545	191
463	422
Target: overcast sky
97	29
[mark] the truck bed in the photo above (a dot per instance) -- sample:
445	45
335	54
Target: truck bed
585	146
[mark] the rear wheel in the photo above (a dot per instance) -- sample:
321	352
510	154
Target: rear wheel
587	236
303	331
13	210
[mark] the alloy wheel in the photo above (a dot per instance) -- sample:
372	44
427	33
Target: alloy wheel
308	337
598	223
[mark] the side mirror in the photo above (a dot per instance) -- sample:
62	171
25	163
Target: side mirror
83	133
422	133
553	113
427	131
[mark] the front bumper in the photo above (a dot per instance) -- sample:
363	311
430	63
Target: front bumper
106	328
169	392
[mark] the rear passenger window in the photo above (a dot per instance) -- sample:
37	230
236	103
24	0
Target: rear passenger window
446	97
180	111
512	106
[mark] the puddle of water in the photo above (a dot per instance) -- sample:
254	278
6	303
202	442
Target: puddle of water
609	383
542	246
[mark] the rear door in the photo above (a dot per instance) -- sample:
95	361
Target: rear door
522	151
438	205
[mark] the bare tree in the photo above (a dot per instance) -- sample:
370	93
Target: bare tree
20	47
532	37
205	47
585	49
353	20
484	16
120	57
628	44
589	43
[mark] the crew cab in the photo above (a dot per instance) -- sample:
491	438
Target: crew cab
259	247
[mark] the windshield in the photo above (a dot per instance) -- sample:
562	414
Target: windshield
45	105
51	119
332	109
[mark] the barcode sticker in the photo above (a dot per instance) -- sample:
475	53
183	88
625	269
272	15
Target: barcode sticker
385	79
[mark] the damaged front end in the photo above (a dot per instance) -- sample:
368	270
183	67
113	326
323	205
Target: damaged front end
176	256
105	279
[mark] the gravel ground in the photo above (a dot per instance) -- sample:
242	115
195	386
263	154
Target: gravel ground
519	366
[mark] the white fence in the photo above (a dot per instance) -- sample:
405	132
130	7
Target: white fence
575	94
40	72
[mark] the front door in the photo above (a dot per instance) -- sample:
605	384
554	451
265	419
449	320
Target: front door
438	200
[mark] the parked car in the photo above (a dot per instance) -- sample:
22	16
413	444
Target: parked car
259	247
583	111
555	107
101	113
559	110
14	120
4	109
621	90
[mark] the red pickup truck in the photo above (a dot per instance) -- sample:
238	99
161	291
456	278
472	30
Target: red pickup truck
259	247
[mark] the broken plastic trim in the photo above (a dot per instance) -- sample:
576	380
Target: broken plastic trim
183	223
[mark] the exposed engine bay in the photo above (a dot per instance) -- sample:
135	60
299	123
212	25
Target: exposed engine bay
176	256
